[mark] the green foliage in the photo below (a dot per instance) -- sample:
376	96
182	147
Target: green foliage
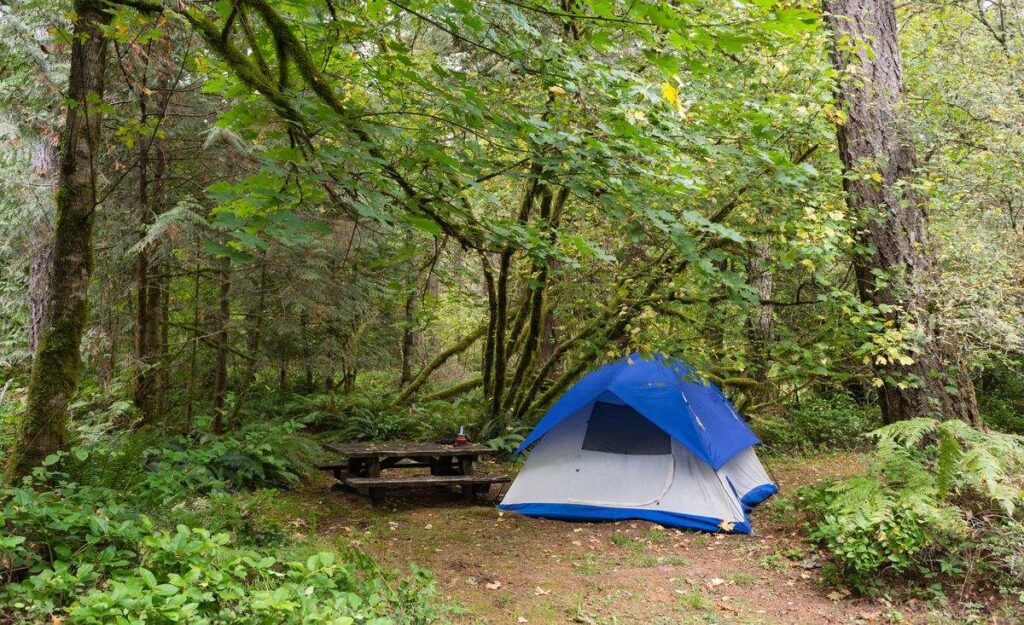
930	493
819	423
507	442
88	554
1003	414
1001	397
365	416
257	454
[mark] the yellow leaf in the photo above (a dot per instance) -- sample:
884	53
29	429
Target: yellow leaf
878	383
556	91
670	94
877	177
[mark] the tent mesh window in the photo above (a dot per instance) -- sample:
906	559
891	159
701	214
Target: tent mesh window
619	429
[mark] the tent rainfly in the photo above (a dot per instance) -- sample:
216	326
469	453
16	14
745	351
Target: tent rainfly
642	438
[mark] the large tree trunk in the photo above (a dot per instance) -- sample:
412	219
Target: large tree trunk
44	166
57	363
896	264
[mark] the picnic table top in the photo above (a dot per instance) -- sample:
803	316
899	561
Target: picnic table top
407	450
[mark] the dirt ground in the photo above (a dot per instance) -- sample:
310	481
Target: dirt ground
494	567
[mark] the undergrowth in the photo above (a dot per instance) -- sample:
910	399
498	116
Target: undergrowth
938	504
122	531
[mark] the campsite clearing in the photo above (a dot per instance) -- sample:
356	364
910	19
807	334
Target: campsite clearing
498	567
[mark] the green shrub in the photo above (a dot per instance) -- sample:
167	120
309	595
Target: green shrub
1001	413
831	422
372	418
243	515
82	554
259	454
931	494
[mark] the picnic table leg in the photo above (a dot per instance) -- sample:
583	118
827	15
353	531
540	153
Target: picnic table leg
355	467
373	468
466	465
369	467
377	496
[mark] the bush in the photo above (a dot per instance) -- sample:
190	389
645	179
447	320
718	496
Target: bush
1001	397
831	422
259	454
81	554
933	494
373	419
1001	413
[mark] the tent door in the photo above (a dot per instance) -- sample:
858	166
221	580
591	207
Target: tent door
625	461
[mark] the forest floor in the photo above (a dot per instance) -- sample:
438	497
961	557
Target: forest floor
495	567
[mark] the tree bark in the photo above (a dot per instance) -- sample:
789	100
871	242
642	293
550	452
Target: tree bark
761	324
896	265
220	374
145	332
56	366
409	335
44	166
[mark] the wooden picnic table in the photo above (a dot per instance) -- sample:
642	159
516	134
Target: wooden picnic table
450	465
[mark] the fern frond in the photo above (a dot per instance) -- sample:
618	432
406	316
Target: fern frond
907	433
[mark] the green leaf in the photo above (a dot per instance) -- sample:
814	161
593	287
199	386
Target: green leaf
426	224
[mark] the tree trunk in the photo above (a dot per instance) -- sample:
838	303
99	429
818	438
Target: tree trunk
761	324
150	271
409	335
307	353
56	366
145	332
44	166
220	375
896	265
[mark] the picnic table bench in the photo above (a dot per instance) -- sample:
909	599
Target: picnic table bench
450	465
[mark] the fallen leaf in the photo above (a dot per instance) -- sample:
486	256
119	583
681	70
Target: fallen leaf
493	585
541	591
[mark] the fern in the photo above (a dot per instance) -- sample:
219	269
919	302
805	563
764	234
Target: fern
908	511
904	433
949	456
185	216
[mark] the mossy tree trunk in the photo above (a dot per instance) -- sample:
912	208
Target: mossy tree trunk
57	363
896	265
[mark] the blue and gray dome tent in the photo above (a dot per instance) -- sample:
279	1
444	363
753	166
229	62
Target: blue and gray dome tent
642	439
